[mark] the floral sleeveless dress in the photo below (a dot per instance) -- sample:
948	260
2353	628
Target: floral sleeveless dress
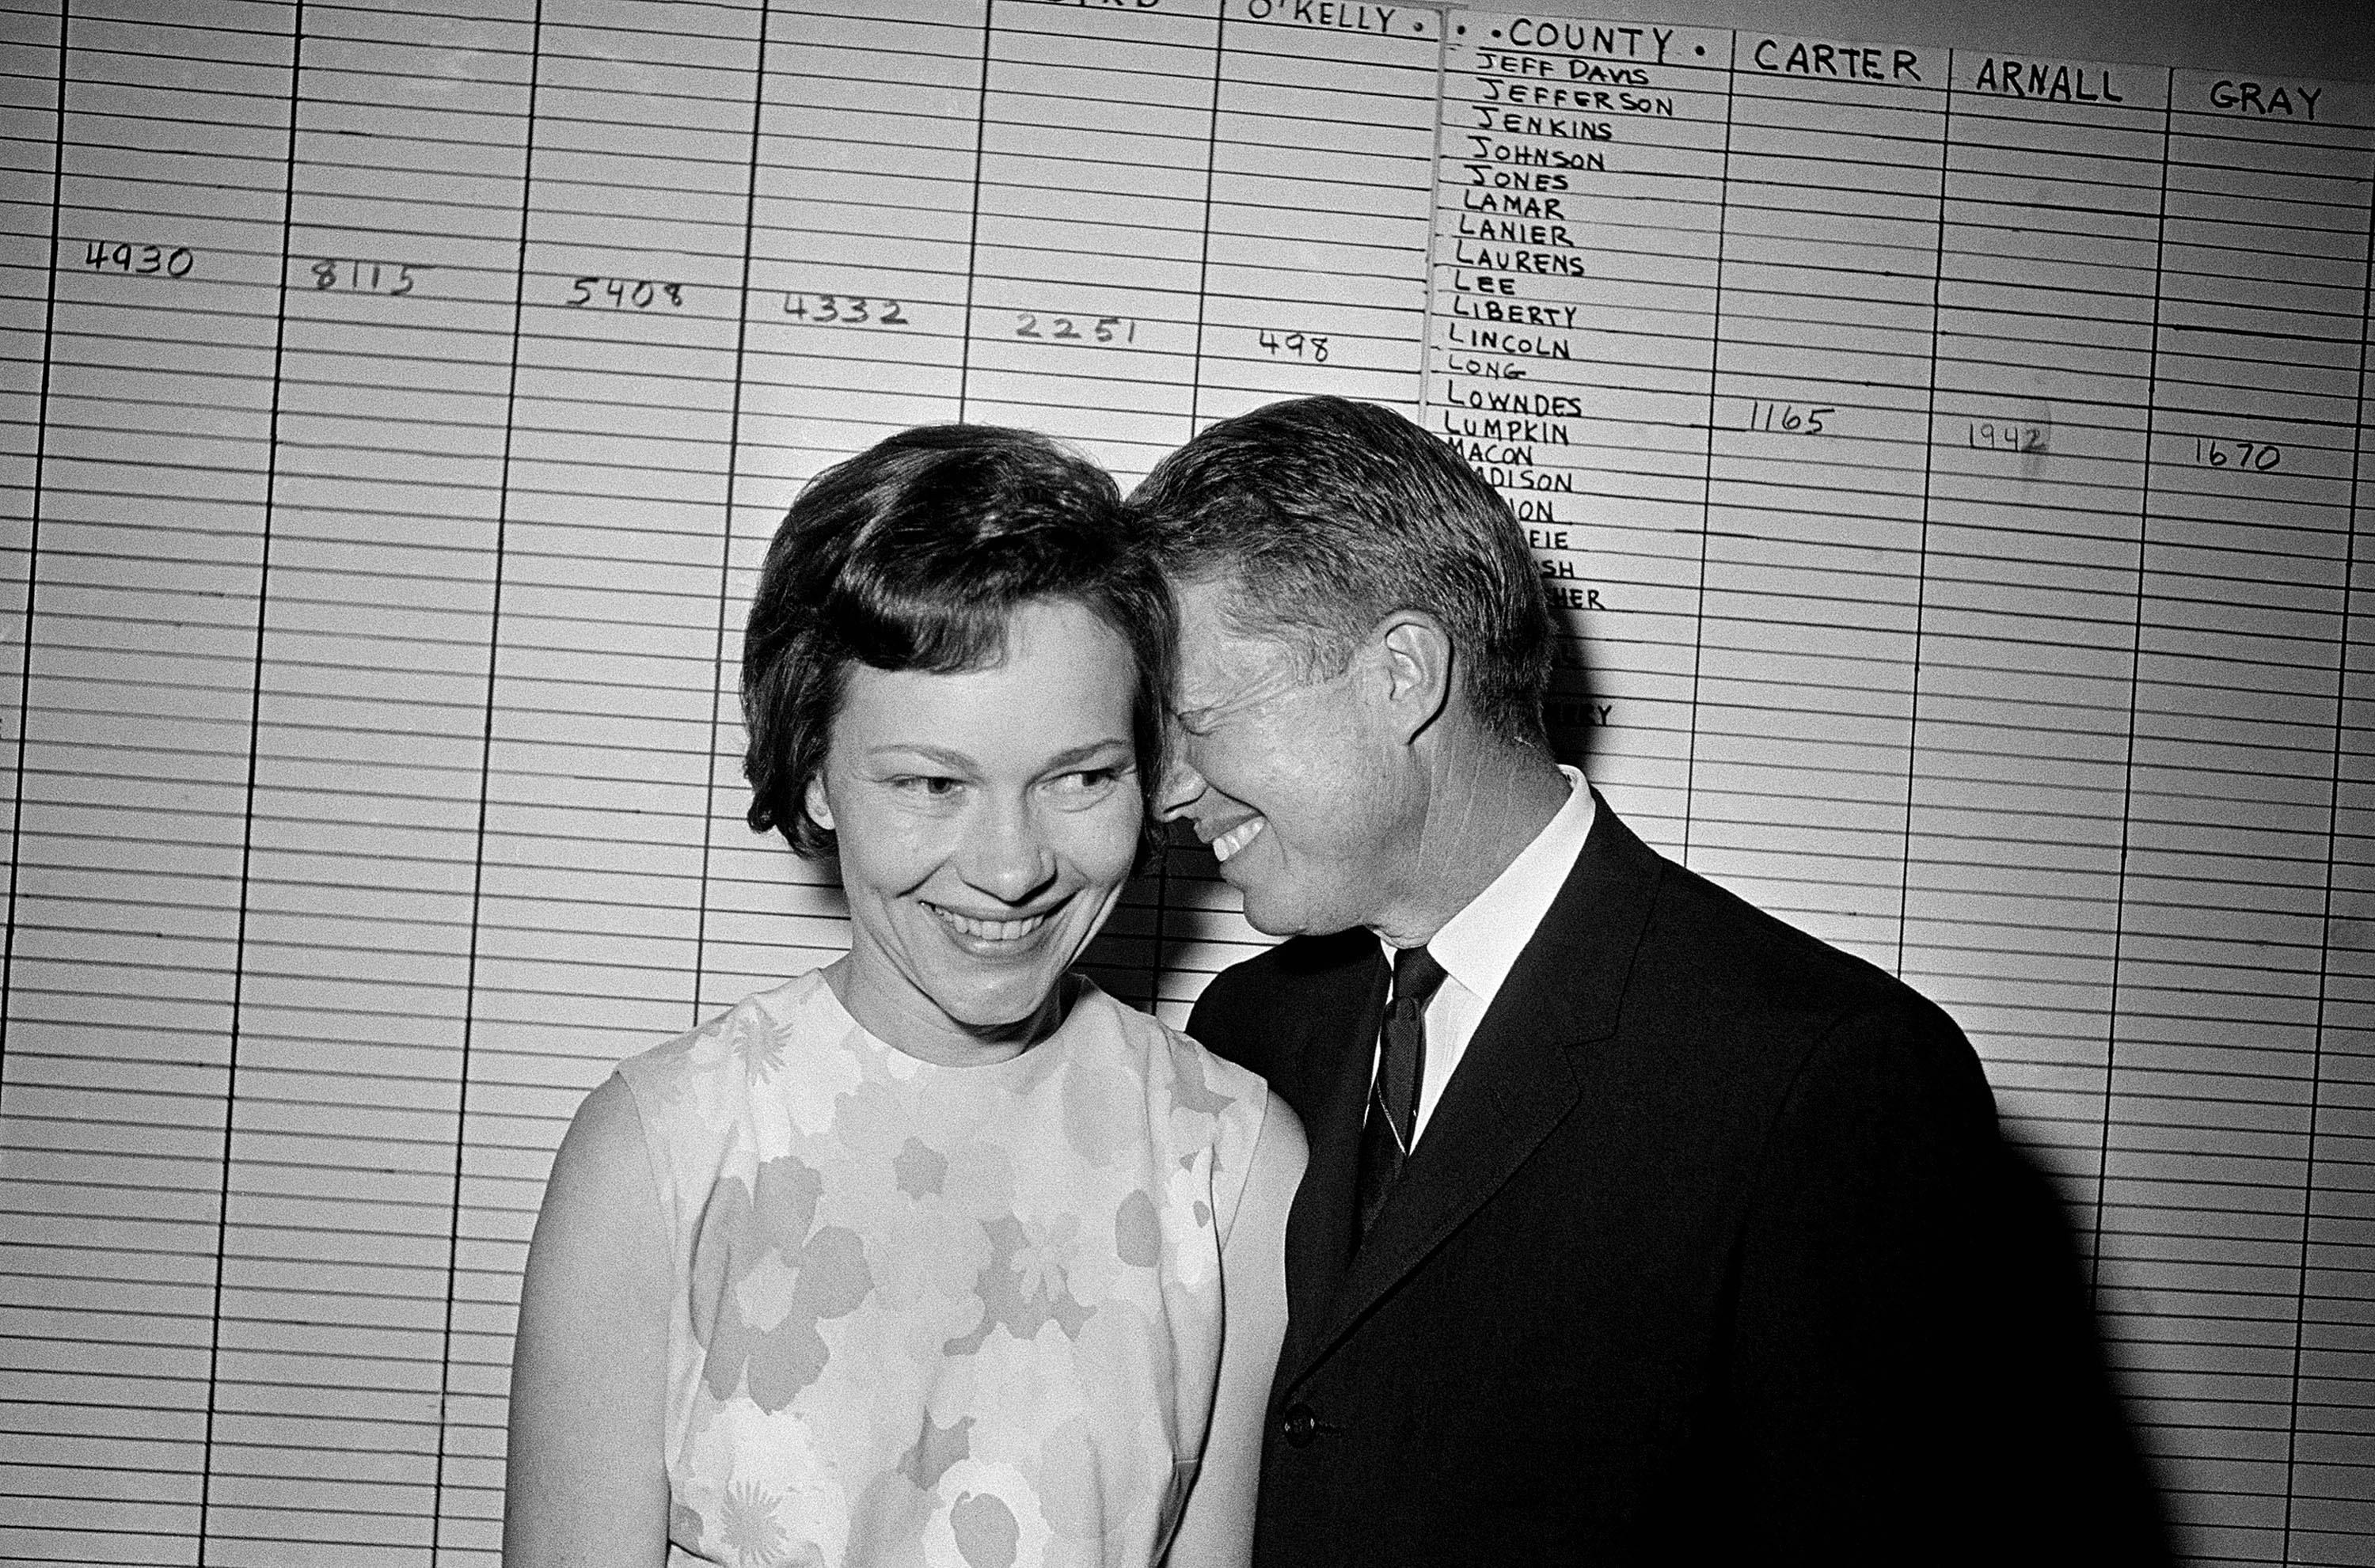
967	1317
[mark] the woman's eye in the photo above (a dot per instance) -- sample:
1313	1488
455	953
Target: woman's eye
1085	784
931	786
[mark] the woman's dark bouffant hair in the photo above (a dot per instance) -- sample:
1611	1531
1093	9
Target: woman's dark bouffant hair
914	555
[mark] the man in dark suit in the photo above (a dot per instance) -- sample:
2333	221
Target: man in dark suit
1639	1226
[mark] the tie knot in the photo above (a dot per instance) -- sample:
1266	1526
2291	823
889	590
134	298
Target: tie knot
1416	976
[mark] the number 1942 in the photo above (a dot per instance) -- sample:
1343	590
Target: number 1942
2006	435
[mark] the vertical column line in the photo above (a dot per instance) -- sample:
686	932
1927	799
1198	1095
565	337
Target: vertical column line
254	748
733	477
973	220
1707	472
2135	681
1928	475
487	741
2325	922
1435	157
1158	965
1204	260
33	544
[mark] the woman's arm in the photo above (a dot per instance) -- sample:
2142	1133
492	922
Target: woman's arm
1216	1531
587	1484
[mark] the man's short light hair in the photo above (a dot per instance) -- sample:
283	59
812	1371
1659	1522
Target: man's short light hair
1324	515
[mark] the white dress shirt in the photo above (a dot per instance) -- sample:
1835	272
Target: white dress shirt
1478	946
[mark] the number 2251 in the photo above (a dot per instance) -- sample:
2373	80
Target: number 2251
1067	329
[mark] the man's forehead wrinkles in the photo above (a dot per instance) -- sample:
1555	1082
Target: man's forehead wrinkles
1231	686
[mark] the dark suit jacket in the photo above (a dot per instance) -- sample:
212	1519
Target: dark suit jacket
1711	1252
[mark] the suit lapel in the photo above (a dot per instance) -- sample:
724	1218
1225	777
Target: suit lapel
1347	1004
1521	1076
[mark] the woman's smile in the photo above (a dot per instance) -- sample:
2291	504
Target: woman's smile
988	935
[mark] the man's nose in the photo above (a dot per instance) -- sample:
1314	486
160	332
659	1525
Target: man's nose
1178	787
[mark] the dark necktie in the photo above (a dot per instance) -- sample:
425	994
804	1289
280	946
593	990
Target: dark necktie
1392	1119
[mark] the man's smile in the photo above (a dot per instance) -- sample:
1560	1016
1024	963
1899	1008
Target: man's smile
1237	838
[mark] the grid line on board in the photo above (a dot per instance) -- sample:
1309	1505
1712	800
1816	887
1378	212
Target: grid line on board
2326	918
1204	264
1707	479
239	977
1929	497
521	237
733	477
2127	767
972	233
33	536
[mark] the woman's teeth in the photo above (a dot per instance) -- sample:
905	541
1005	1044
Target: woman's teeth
990	930
1237	838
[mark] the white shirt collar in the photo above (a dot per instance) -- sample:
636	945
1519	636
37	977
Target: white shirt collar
1478	946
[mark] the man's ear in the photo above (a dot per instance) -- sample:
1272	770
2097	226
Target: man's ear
1417	670
819	809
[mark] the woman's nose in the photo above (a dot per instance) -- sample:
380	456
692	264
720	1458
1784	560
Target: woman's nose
1009	856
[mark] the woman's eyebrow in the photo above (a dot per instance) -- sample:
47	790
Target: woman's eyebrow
939	754
1083	753
943	756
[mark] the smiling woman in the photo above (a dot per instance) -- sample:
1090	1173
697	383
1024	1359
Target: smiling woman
991	815
936	1254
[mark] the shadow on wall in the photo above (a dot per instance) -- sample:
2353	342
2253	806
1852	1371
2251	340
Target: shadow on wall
1575	712
2055	1342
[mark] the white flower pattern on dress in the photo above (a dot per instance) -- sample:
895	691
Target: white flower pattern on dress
934	1314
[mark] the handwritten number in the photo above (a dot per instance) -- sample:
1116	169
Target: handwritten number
2248	456
845	310
2005	435
1312	346
1788	418
1105	330
392	279
624	293
142	259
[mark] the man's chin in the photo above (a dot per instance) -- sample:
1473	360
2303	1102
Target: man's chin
1274	915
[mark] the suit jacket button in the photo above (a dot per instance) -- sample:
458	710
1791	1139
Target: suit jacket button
1299	1426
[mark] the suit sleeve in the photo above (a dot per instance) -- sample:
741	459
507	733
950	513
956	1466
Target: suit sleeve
1914	1371
1231	1020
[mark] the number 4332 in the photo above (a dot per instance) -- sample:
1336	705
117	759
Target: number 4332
845	310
